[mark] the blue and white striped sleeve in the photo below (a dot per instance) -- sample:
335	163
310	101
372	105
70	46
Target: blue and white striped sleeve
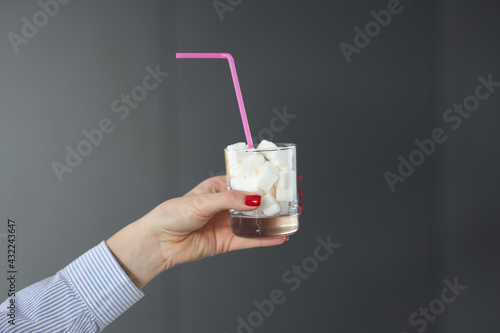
85	296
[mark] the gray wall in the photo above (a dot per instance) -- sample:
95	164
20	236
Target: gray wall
352	121
60	83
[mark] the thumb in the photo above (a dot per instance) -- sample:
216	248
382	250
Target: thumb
209	204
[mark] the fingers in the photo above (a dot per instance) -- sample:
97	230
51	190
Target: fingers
248	243
300	194
209	204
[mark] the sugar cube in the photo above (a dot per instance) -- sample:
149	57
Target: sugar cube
251	163
238	146
283	159
264	144
272	191
235	152
235	169
269	149
267	176
285	194
269	205
237	182
286	179
242	183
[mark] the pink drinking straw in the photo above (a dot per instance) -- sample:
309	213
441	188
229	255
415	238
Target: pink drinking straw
236	82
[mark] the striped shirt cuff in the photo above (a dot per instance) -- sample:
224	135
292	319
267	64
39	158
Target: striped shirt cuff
102	284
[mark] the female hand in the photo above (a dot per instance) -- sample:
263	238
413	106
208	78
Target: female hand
185	229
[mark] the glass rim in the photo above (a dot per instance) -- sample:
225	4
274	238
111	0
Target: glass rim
281	146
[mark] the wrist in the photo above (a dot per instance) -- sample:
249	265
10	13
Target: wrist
137	250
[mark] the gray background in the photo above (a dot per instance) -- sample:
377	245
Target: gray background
352	121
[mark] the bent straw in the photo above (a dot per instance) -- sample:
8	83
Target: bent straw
236	82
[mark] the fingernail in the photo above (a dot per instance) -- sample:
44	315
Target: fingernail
300	194
299	177
301	208
252	200
287	238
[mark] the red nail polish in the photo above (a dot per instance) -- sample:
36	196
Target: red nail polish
299	176
252	200
287	238
301	208
300	194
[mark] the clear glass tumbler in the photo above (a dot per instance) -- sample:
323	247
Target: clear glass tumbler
272	173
